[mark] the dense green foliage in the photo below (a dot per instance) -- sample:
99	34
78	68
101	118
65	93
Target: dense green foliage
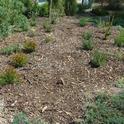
13	48
70	7
87	41
119	40
105	110
9	76
47	26
98	59
11	17
21	118
18	60
29	46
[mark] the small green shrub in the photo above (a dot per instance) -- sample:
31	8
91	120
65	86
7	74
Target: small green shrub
98	59
31	33
33	21
21	23
85	21
49	38
87	44
12	17
47	26
119	40
87	35
120	83
44	10
18	60
14	48
5	29
104	110
29	46
21	118
54	16
118	102
9	76
70	7
120	56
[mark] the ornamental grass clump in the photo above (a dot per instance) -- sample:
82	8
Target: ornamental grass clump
87	41
9	76
19	60
98	59
29	46
119	40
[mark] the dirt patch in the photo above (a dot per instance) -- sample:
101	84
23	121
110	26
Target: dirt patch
58	79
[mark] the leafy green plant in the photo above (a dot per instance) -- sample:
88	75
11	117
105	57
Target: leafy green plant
87	35
70	7
104	110
120	83
29	46
33	21
18	60
119	40
12	17
13	48
21	118
21	23
49	38
5	29
120	56
98	59
44	10
118	102
85	21
9	76
87	44
47	26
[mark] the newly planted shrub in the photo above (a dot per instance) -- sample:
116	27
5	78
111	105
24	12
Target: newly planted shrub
87	41
120	56
13	48
29	46
9	76
119	40
98	59
21	118
33	21
107	110
87	35
120	83
19	60
118	102
87	44
85	21
47	26
49	38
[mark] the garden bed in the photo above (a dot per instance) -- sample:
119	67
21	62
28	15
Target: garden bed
58	79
